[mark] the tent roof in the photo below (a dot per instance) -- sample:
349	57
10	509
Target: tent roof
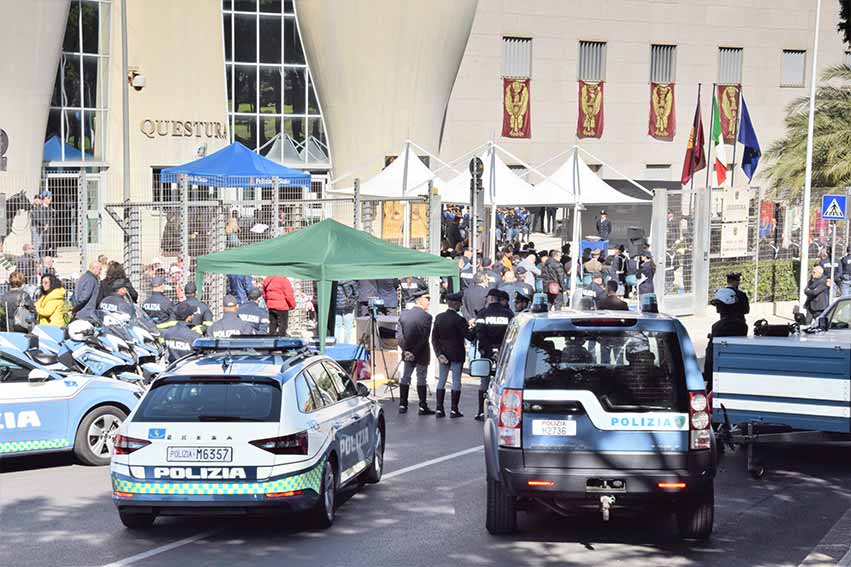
283	150
511	190
220	169
388	182
594	191
327	251
314	151
53	151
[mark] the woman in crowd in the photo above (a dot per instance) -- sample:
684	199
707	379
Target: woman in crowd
115	272
12	300
50	307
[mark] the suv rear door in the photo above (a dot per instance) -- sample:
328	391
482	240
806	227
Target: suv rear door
605	398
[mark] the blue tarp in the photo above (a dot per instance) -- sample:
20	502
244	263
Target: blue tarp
235	166
53	151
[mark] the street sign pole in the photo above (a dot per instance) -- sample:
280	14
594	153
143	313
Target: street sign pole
832	261
833	208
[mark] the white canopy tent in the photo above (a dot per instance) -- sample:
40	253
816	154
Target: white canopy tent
501	185
283	150
575	177
406	176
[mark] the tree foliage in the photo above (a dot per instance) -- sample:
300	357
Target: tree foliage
831	137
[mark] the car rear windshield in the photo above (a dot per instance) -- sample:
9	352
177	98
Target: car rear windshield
628	371
198	400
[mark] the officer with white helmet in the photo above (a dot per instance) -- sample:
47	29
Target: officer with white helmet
730	324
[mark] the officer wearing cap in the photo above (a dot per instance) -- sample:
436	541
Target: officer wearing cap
178	338
522	300
157	306
202	316
743	305
489	330
595	289
412	332
252	313
118	301
230	324
447	339
604	226
411	288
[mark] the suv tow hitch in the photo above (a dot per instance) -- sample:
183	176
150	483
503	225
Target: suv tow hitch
605	506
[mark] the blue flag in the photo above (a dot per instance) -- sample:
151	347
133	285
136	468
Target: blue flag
747	137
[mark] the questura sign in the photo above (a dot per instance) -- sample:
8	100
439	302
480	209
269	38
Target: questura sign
183	129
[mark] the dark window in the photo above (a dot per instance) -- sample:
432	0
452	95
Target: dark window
72	29
90	81
71	86
269	128
325	384
342	382
229	80
626	370
305	400
270	90
90	14
270	39
246	88
11	371
245	5
228	38
273	6
211	400
292	43
245	38
245	130
295	91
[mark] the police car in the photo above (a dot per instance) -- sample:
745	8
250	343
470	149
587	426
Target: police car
598	409
247	425
44	408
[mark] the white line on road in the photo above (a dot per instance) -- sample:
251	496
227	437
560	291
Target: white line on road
192	539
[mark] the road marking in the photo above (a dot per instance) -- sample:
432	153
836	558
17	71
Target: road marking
192	539
161	549
425	464
834	544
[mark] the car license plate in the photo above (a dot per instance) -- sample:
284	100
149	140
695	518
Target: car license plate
200	454
554	427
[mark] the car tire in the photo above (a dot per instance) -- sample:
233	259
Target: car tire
501	515
696	513
372	475
93	442
136	521
323	512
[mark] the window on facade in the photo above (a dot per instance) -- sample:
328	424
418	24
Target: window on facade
592	61
516	57
729	65
663	63
78	107
657	172
794	66
269	91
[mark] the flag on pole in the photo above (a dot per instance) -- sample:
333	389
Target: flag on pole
695	159
747	137
718	142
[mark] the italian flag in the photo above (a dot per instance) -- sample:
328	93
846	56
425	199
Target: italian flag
718	142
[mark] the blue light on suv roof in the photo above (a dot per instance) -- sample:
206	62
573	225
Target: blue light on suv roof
270	343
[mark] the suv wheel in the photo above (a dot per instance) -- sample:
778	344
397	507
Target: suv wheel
373	474
695	514
323	513
501	517
136	521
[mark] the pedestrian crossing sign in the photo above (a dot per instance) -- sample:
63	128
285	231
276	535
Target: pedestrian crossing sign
833	207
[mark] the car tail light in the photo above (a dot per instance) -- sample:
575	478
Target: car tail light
286	445
510	418
125	445
700	434
541	483
671	485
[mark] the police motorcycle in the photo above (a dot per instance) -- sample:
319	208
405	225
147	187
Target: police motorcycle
141	334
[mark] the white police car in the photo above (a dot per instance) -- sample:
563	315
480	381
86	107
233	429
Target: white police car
44	408
248	425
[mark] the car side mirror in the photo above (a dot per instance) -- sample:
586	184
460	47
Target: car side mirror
822	323
37	375
480	368
363	389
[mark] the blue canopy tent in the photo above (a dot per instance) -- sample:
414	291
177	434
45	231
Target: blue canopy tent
222	168
53	151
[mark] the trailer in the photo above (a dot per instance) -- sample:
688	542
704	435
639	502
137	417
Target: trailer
793	389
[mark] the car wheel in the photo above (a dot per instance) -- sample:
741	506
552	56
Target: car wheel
136	521
93	443
696	513
372	475
323	513
501	515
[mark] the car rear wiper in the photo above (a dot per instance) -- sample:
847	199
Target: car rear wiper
226	418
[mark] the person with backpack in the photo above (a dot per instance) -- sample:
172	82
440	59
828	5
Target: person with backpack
17	312
344	311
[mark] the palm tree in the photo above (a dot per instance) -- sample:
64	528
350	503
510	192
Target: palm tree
831	137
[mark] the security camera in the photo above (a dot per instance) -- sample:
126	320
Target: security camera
136	80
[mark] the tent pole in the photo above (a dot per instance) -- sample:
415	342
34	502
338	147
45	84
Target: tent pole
276	205
575	252
434	226
184	228
406	219
492	190
324	296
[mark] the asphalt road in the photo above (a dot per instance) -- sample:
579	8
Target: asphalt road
55	512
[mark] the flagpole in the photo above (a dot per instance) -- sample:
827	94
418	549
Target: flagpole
709	162
736	135
694	129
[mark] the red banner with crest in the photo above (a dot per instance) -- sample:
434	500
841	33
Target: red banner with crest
516	110
590	121
728	110
663	115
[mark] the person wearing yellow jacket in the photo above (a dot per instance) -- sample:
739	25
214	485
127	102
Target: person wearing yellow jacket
50	307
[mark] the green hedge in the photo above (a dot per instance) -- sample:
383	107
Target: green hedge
778	279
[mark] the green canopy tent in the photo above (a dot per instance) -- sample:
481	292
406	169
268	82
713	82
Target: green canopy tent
325	252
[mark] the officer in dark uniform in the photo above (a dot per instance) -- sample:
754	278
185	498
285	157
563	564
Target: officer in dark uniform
157	306
179	337
843	273
612	302
743	305
411	289
494	279
595	290
466	273
119	300
413	332
604	226
447	338
491	325
230	324
203	317
522	300
252	313
729	324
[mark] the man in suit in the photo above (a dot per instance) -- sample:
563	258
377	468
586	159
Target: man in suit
413	332
447	338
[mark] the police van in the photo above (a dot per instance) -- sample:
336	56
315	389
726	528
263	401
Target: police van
245	426
599	410
44	408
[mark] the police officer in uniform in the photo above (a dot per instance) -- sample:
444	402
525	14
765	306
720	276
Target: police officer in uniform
252	313
522	300
742	306
489	330
843	273
411	289
447	338
157	306
178	338
413	332
604	226
230	324
595	291
203	317
119	300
